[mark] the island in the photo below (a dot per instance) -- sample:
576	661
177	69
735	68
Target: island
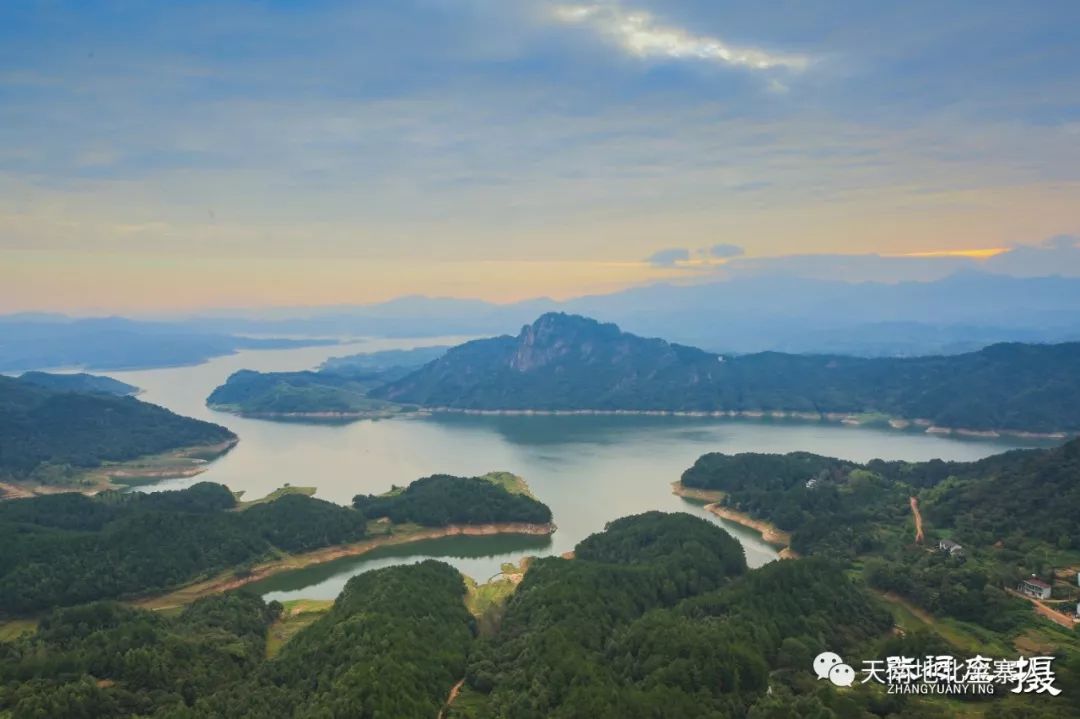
571	364
442	500
55	439
66	549
336	391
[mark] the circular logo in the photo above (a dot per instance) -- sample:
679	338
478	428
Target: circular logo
842	675
824	663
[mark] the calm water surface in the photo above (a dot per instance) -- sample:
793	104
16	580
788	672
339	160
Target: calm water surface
589	470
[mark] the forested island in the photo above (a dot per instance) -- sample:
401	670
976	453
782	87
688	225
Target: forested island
441	499
64	549
52	436
337	390
571	363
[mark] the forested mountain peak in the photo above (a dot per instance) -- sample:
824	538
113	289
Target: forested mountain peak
568	362
558	338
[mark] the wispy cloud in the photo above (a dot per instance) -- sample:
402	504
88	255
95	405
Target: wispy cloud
726	250
669	258
639	33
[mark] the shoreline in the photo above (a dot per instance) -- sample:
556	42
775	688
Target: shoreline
148	469
852	420
326	416
770	533
227	580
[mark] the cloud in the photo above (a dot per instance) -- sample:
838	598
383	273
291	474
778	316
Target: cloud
1056	256
639	34
725	251
669	257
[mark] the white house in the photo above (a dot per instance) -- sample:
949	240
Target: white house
953	548
1034	587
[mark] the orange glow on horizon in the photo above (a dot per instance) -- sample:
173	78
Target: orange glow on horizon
977	254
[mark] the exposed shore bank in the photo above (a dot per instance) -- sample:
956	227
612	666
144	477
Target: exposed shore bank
770	533
853	420
325	416
229	579
173	464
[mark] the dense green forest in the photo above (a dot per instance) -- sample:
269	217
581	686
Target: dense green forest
1008	511
442	499
394	643
565	362
65	549
1018	496
658	617
79	382
49	435
106	660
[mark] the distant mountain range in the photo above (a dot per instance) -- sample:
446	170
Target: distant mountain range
111	343
567	362
961	313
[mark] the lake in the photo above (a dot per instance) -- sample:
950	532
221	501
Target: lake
588	469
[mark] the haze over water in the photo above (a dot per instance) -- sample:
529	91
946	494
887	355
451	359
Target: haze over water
589	470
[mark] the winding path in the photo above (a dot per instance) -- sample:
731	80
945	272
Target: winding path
454	690
919	536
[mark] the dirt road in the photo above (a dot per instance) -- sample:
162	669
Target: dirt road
919	536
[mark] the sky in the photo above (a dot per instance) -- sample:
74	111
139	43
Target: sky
187	155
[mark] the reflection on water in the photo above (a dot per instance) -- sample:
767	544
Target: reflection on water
588	469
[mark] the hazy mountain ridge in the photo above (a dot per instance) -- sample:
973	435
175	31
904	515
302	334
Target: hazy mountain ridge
960	313
565	362
111	343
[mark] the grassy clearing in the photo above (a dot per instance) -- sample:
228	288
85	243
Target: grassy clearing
1042	637
297	616
276	494
869	419
507	480
510	482
487	601
968	638
12	629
